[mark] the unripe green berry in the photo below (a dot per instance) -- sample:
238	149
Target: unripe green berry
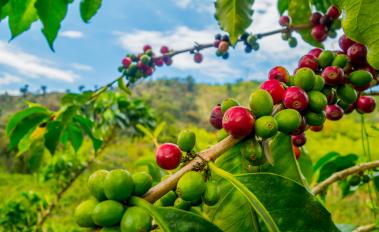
186	140
326	58
266	127
228	103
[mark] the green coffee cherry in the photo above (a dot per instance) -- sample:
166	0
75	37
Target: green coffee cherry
96	184
319	83
182	204
288	120
228	103
317	101
211	194
168	199
340	60
360	78
355	180
107	213
261	103
315	119
304	78
326	58
190	186
292	42
118	185
186	140
266	127
135	219
142	182
83	213
347	93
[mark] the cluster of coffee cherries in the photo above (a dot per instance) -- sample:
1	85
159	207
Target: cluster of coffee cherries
325	85
108	207
358	179
322	25
192	189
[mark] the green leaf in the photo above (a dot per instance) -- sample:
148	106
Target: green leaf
234	16
291	206
121	85
21	115
88	8
171	219
306	166
51	13
67	113
3	4
321	5
325	159
285	163
346	227
52	135
336	165
282	6
87	126
22	15
75	135
146	131
158	130
250	197
361	23
154	170
300	11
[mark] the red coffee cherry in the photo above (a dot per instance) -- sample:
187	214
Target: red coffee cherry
284	21
333	75
238	121
333	12
279	73
168	156
275	88
315	52
334	112
296	151
366	104
295	98
308	61
345	43
319	33
216	117
357	53
299	140
316	128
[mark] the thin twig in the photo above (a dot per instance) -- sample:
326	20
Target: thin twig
343	174
365	228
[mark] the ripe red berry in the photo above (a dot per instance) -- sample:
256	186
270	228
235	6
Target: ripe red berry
315	52
333	12
146	48
345	43
301	128
316	128
319	33
126	62
334	112
315	18
365	104
308	61
284	20
333	75
238	121
165	50
279	73
158	62
299	140
296	152
275	88
198	57
168	156
216	117
167	59
148	71
357	53
295	98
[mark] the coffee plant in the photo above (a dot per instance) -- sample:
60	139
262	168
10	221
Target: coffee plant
258	176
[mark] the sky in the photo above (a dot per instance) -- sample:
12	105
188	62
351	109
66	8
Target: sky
89	54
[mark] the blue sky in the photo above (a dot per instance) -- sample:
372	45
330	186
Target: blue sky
89	54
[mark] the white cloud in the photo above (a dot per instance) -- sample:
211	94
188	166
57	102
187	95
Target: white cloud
71	34
32	66
82	67
198	5
7	79
179	38
182	3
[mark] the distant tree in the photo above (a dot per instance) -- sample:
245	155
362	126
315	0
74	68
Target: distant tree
24	90
44	89
229	88
81	88
68	91
190	81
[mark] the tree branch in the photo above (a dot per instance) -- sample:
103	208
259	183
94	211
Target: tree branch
343	174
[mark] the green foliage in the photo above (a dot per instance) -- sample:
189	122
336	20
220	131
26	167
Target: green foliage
88	8
362	25
337	164
282	6
22	15
234	16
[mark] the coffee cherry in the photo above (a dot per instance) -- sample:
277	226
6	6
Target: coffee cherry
319	33
96	184
279	73
301	128
266	127
292	42
285	36
366	104
168	156
218	36
107	213
326	21
296	152
299	140
288	120
83	213
275	88
354	180
365	179
238	122
135	219
168	199
304	78
347	93
341	60
315	52
357	53
228	103
165	50
118	185
319	83
330	94
333	112
326	58
126	62
345	43
284	21
317	101
216	43
347	108
146	48
360	78
308	61
332	34
182	204
248	49
255	46
158	62
223	46
295	98
315	18
190	186
261	103
186	140
251	40
225	38
211	194
142	182
216	117
333	12
315	119
198	57
167	60
316	128
370	69
332	75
